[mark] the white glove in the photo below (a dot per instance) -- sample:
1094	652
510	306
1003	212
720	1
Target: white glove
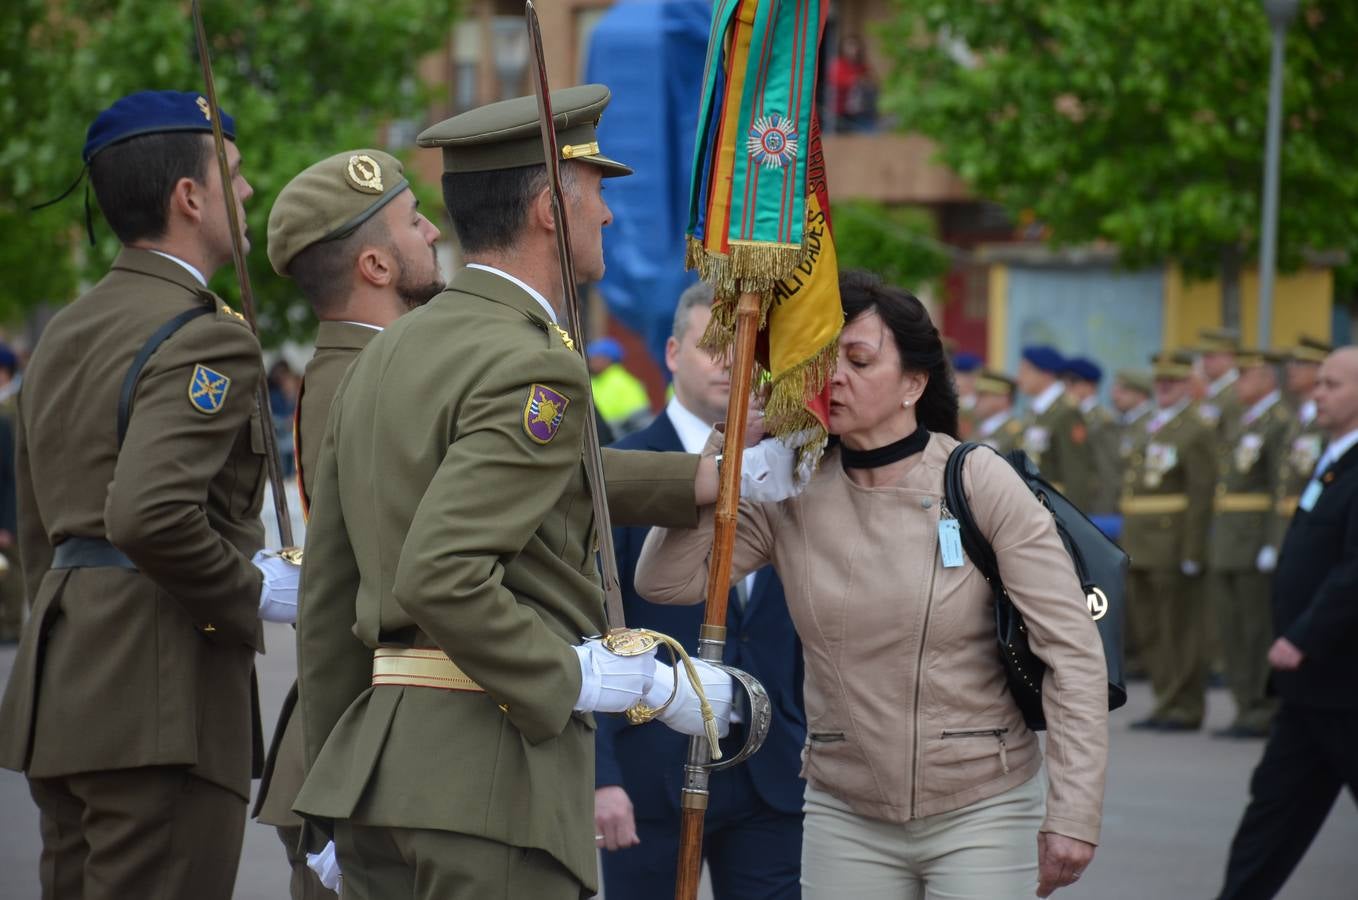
769	471
1267	560
612	683
1190	568
278	596
684	715
326	866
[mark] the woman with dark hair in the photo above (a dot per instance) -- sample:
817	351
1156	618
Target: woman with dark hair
921	773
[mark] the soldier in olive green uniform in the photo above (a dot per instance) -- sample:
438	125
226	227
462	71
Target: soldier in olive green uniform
1082	377
1306	441
450	567
1167	509
1055	435
996	424
349	232
966	369
1217	348
131	707
1246	535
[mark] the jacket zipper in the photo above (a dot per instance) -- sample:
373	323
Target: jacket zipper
919	664
997	733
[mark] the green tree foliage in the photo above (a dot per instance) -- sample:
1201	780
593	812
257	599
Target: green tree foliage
1139	122
896	242
303	80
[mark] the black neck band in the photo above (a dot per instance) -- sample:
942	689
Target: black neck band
885	456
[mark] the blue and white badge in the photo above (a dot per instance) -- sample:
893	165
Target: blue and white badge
950	543
1309	496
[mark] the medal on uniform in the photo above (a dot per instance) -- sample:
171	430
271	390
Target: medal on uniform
1247	452
1036	441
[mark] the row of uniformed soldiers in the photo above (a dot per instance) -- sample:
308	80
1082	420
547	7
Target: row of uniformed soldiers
1197	469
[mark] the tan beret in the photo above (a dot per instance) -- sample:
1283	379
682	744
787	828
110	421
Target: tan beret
506	135
329	200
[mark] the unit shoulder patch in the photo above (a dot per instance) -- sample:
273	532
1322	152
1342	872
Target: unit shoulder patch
208	389
543	413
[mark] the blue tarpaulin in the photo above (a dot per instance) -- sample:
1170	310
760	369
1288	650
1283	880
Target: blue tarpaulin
651	54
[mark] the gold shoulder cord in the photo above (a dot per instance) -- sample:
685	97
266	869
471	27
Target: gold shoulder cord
633	642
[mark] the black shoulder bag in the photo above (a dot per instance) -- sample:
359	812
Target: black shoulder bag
1100	565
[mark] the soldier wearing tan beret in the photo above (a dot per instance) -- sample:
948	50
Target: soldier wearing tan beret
348	230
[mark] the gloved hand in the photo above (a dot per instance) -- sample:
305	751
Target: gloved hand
326	866
278	596
684	715
1267	560
1190	568
769	471
612	683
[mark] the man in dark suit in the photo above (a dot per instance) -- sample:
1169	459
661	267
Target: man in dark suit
1310	753
753	833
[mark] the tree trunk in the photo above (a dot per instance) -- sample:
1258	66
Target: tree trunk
1230	286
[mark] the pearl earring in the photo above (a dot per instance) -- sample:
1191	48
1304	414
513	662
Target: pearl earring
905	403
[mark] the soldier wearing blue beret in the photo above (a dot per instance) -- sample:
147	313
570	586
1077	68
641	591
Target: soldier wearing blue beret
1082	377
140	471
1055	435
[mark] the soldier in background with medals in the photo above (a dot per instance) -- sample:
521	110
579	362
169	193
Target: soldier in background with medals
996	424
1055	435
1307	440
349	232
1216	357
1167	507
1245	537
1082	377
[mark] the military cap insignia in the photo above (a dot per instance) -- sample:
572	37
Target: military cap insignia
772	141
543	412
364	174
207	390
207	110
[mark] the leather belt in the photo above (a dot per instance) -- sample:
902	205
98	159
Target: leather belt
1243	503
89	553
411	667
1154	505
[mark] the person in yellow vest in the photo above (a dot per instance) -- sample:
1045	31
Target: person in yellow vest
619	396
1246	534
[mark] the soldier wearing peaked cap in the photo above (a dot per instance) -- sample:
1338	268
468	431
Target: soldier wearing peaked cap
1217	348
997	425
1246	534
1307	439
1055	435
141	474
348	231
446	696
1167	507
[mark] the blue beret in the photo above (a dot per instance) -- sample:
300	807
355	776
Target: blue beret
152	112
963	361
1045	358
1083	369
605	346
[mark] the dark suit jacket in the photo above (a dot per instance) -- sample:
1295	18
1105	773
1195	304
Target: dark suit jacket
1315	593
647	760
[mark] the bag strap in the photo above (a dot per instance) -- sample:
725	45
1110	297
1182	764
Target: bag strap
977	548
130	380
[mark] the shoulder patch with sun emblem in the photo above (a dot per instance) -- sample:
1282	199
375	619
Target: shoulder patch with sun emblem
207	390
543	412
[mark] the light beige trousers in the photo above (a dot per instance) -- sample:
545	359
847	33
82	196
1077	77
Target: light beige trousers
986	851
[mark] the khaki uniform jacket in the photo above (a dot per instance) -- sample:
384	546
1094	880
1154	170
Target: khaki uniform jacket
337	345
1004	438
123	668
1105	437
1219	411
1167	493
908	711
1058	442
1305	444
1250	468
451	511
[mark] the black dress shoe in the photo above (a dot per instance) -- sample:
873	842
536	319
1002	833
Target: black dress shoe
1172	725
1240	732
1150	723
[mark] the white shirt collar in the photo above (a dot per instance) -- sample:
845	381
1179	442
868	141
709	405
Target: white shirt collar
1087	404
1164	416
547	307
1215	388
190	269
1043	401
1254	412
993	423
692	431
1336	449
360	324
1307	413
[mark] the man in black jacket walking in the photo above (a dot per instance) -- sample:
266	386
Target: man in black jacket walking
1310	754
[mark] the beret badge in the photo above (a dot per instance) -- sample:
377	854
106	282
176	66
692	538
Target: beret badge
365	174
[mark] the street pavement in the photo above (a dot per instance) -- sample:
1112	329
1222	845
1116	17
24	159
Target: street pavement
1172	804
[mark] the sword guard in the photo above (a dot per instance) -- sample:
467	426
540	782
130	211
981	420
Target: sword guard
761	717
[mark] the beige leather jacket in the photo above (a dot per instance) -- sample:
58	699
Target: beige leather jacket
907	708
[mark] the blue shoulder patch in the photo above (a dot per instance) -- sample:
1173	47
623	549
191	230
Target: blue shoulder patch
208	389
